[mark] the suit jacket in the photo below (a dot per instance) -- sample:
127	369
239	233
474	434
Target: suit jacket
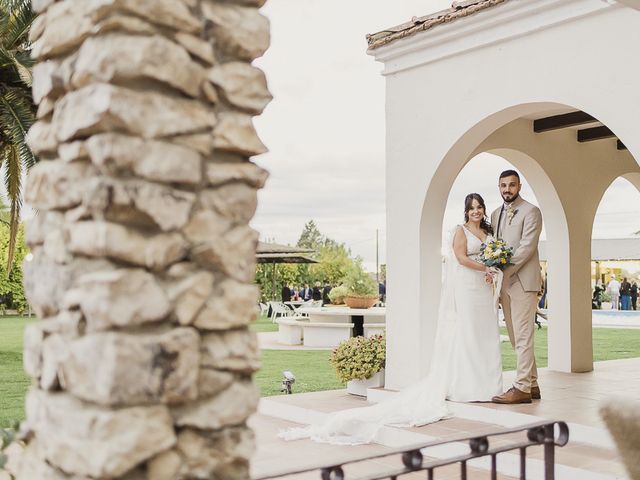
286	294
522	234
325	294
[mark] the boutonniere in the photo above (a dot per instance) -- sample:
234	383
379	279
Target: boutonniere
511	213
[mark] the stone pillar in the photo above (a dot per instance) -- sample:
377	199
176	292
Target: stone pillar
143	259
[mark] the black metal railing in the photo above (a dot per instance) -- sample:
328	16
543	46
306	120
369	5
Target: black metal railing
547	434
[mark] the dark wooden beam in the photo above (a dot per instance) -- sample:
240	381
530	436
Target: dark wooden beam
562	121
595	133
621	146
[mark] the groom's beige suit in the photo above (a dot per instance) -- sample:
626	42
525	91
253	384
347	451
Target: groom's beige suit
522	280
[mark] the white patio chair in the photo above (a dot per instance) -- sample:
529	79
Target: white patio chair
264	308
279	309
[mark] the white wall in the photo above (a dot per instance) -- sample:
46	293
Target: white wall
439	113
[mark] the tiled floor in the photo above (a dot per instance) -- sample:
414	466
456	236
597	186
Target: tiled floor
573	398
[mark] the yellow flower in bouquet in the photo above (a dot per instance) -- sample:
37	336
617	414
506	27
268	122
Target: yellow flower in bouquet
496	253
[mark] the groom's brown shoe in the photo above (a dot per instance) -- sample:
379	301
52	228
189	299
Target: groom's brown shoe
535	393
513	395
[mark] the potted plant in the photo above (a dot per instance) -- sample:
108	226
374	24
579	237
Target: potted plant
360	362
362	289
337	294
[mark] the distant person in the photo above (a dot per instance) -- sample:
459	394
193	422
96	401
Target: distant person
325	293
382	292
598	290
316	295
305	293
625	294
286	293
542	302
613	287
634	295
295	295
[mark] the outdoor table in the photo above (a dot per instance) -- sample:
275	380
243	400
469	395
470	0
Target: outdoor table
357	316
294	304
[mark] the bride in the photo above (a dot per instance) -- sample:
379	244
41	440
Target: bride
466	365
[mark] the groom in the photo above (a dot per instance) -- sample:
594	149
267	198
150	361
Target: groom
519	223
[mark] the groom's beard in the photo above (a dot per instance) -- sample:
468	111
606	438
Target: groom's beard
509	200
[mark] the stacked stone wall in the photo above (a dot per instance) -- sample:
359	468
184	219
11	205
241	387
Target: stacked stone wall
143	259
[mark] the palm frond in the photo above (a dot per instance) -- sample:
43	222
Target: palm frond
15	68
17	111
16	32
5	14
7	59
16	117
13	185
23	64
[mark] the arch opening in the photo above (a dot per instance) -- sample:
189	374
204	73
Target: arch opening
566	260
616	232
568	203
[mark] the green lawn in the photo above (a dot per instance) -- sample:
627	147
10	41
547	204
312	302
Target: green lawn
264	324
540	344
312	369
13	381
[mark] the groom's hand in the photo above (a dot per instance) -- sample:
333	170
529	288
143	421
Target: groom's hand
509	276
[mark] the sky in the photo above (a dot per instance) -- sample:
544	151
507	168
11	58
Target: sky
325	131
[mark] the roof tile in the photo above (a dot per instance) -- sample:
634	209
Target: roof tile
459	9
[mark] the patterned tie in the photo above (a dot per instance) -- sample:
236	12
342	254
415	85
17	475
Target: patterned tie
503	218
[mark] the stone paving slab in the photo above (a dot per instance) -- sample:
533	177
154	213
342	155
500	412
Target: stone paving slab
574	398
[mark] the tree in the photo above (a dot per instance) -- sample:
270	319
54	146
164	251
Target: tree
11	289
310	236
17	111
286	274
334	264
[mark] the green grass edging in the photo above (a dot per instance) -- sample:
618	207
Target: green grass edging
311	367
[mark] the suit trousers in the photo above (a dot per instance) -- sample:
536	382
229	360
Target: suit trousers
615	301
519	307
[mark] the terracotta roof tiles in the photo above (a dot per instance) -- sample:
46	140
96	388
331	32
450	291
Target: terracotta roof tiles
459	9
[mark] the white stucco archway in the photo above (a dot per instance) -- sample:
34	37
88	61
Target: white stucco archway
633	178
478	84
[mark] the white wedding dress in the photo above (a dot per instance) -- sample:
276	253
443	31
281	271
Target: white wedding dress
466	364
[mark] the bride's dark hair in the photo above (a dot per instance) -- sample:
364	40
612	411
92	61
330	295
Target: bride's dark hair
484	223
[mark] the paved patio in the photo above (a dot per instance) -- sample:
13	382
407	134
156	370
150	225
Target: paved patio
574	398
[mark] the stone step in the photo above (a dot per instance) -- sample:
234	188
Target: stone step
590	454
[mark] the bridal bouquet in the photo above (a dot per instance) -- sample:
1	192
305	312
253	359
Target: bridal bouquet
496	253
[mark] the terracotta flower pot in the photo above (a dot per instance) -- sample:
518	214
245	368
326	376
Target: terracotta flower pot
360	302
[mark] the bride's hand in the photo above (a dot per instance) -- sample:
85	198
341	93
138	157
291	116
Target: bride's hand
491	271
490	274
